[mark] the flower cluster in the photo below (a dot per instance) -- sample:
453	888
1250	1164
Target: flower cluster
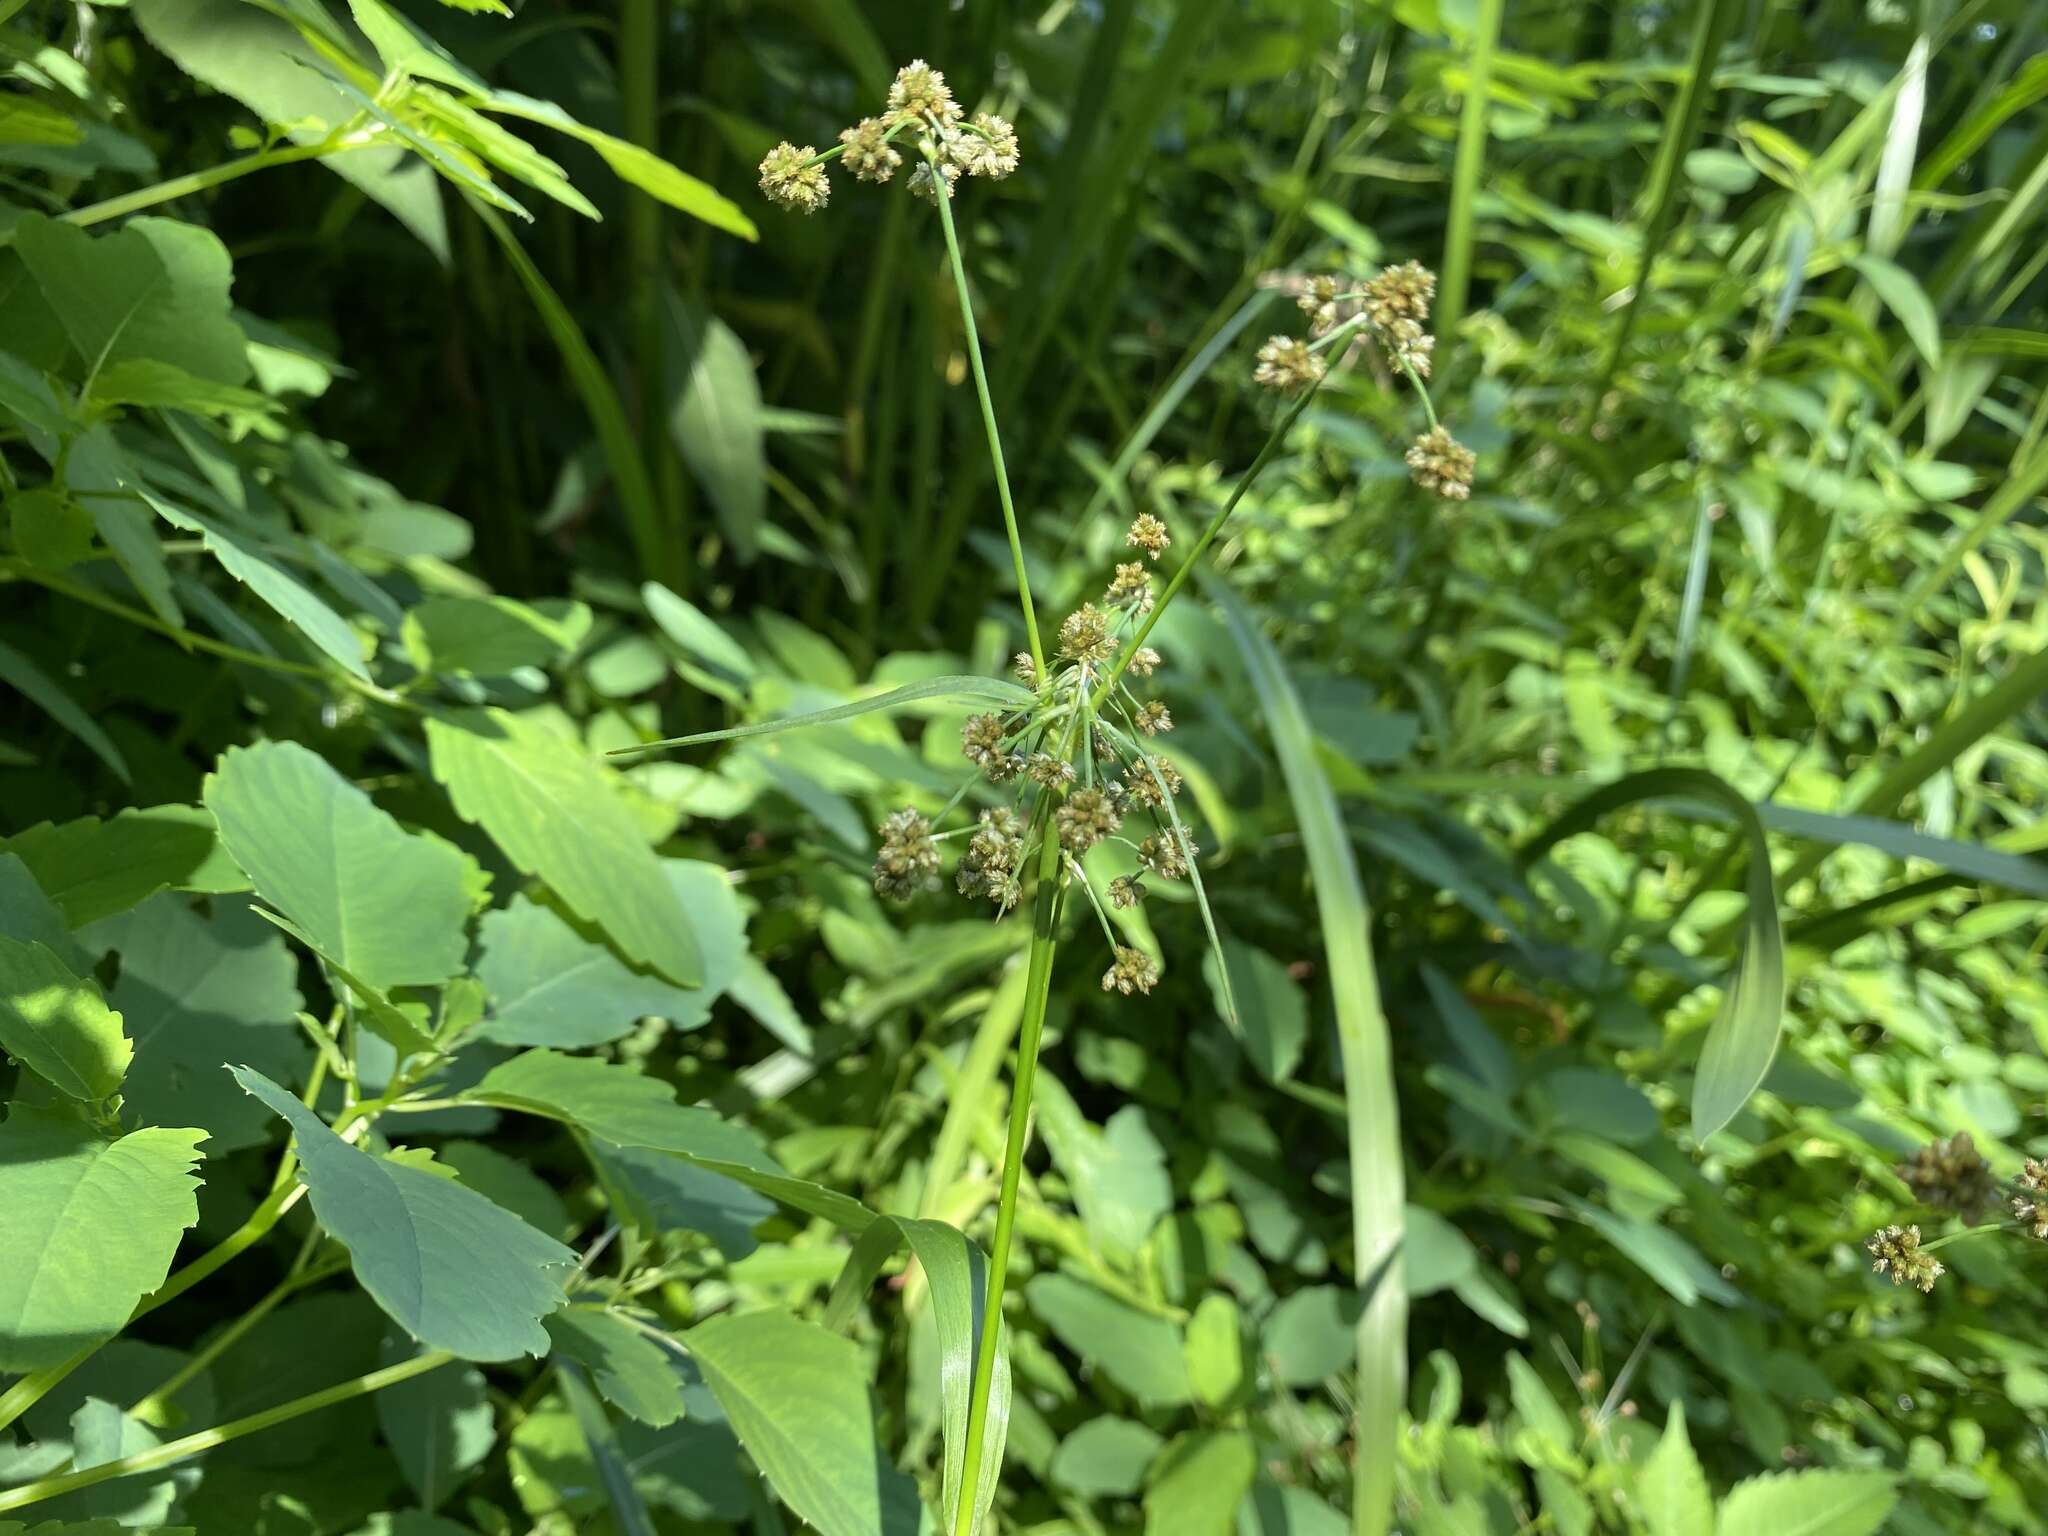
1951	1175
1394	306
1895	1251
1077	770
2030	1200
920	113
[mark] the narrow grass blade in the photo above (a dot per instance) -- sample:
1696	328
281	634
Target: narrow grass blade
1744	1035
1681	131
1471	157
982	690
1372	1113
651	544
2027	480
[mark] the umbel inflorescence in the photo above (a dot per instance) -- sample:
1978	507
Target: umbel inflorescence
1394	307
1074	766
920	115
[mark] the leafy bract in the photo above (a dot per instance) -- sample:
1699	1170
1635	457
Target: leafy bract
978	690
797	1398
386	905
555	813
89	1227
56	1023
449	1267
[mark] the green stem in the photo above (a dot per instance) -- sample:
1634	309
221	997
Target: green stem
1037	991
1187	566
1465	168
174	1451
199	181
988	419
1957	1237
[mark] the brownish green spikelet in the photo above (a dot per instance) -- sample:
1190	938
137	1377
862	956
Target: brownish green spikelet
790	180
2030	1200
1895	1251
909	860
869	154
1084	819
1439	462
1132	971
981	740
1085	635
1951	1175
1286	366
1149	534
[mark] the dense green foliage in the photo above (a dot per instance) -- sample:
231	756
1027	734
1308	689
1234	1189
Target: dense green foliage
437	1103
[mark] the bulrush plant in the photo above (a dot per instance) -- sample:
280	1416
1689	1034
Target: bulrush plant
1951	1177
1069	746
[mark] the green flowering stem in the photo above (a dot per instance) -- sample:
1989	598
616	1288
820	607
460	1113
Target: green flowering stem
173	1451
1194	558
1037	992
1957	1237
988	410
215	175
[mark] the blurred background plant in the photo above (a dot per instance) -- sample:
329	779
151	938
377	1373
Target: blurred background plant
1741	311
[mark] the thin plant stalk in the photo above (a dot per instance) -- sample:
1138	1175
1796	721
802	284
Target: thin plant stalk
988	421
1465	168
173	1451
1037	994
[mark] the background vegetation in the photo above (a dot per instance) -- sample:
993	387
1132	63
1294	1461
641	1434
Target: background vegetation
335	585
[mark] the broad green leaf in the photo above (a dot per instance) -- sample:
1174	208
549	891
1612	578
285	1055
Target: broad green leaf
1311	1335
1371	1109
92	869
797	1398
27	915
629	162
1107	1456
956	1272
1435	1254
491	636
154	289
978	690
601	1440
697	633
152	384
657	1192
291	599
257	58
1118	1171
1744	1035
1201	1480
1621	1170
40	689
1908	302
197	994
634	1374
1671	1488
1282	1509
555	813
550	984
439	1426
1811	1503
56	1023
407	51
98	473
90	1227
386	905
714	416
449	1267
1140	1351
616	1104
1215	1348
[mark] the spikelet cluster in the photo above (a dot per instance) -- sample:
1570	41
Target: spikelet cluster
921	117
1895	1251
1074	768
1951	1175
2030	1200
